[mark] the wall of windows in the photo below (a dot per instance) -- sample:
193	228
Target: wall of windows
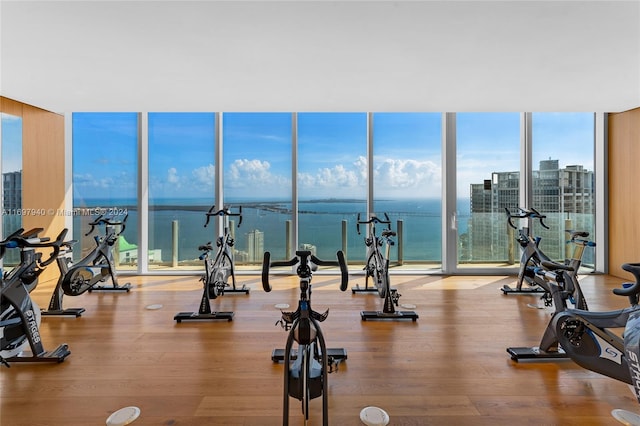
181	185
563	178
488	181
257	176
407	183
11	155
105	178
332	182
302	179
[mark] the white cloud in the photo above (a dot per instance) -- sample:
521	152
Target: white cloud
204	175
255	175
172	175
408	177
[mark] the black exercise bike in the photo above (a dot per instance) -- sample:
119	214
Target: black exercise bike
531	253
217	270
19	314
63	260
377	268
533	256
588	338
306	370
97	265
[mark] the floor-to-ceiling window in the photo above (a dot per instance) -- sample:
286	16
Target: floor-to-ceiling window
257	177
105	178
12	208
332	183
563	179
407	184
344	164
181	187
488	180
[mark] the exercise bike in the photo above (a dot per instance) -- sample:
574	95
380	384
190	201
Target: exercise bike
586	336
570	291
306	370
531	253
99	264
19	314
377	267
63	261
532	256
217	269
564	287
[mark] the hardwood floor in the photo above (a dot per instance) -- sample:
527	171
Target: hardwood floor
450	367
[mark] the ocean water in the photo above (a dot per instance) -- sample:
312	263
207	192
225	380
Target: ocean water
320	225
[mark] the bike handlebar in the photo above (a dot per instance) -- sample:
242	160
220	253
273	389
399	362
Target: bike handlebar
102	220
223	212
373	219
21	239
303	258
525	214
56	244
634	288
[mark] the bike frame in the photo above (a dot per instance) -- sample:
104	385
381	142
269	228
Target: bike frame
531	253
301	373
377	267
15	296
377	264
532	257
82	276
217	270
586	336
63	261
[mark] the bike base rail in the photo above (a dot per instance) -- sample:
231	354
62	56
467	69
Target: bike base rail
534	352
336	353
68	312
125	287
57	355
194	316
397	315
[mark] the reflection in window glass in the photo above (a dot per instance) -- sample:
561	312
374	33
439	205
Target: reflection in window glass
181	187
105	175
257	176
332	182
563	180
488	176
407	182
11	180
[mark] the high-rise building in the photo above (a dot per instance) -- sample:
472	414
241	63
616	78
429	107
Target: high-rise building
255	245
12	191
12	205
309	247
564	195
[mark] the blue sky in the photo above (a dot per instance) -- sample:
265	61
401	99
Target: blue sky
332	152
11	143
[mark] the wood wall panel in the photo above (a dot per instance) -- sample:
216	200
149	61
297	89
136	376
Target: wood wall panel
9	106
624	185
43	168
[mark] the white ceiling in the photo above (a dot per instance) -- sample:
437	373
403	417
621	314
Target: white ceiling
321	55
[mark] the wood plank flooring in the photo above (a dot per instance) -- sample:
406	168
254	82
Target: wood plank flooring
448	368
